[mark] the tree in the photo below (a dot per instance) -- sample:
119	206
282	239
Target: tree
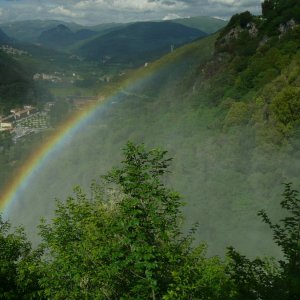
263	278
17	281
287	236
124	242
286	106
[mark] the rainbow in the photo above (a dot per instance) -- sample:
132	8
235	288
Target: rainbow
43	154
38	159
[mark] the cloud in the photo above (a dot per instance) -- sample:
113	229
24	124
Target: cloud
135	5
104	11
171	17
62	11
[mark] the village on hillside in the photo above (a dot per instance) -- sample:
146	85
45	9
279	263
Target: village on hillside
28	119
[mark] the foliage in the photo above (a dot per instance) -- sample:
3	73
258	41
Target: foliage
15	85
200	278
287	9
146	256
238	114
265	279
17	281
126	243
241	20
286	106
254	279
287	236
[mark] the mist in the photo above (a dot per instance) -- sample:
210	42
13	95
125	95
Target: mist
225	176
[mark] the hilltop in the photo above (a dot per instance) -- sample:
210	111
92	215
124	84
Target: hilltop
207	24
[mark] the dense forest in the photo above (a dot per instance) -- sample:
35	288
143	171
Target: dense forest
227	108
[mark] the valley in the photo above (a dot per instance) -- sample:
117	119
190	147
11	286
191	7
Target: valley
217	105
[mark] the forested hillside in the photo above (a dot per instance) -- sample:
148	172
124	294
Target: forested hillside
16	85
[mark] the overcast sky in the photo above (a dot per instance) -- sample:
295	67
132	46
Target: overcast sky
105	11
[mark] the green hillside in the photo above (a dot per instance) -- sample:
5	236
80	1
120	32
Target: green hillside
203	23
16	85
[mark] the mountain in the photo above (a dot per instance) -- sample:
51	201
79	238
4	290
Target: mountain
57	37
4	38
61	37
29	31
84	34
138	43
207	24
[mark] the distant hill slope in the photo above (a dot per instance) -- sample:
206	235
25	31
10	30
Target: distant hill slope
4	38
62	36
203	23
139	42
59	36
29	31
16	86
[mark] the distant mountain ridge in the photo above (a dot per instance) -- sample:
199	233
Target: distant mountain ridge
207	24
30	30
139	42
62	36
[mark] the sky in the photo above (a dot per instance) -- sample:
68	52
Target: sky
89	12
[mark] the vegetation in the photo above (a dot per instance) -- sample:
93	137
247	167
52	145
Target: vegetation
125	242
16	87
207	24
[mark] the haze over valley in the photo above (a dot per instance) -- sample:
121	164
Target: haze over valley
222	98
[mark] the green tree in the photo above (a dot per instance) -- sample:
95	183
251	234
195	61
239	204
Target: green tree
264	278
286	106
254	279
124	242
287	236
17	281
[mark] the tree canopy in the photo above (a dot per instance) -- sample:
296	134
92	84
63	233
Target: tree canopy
123	240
